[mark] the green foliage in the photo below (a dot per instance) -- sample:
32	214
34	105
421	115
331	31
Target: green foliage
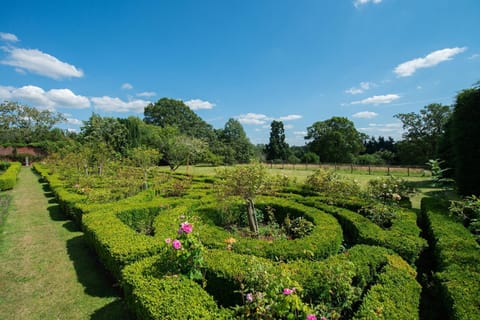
423	132
152	295
468	211
464	140
396	294
389	190
457	255
335	140
299	227
328	182
9	178
277	148
236	148
403	236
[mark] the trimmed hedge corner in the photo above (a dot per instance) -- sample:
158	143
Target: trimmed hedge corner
9	178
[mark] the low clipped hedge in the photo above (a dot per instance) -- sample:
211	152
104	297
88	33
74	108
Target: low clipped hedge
9	178
325	239
403	237
457	256
374	281
152	296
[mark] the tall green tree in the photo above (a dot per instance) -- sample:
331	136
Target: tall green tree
335	140
107	130
23	124
423	132
465	133
170	112
277	148
237	146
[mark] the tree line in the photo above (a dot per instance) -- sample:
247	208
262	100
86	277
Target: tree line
177	135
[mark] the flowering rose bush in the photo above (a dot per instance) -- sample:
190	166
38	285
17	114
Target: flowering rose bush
184	255
270	295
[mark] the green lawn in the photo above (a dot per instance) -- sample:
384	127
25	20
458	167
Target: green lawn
46	269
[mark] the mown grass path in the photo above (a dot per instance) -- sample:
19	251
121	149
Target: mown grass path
47	270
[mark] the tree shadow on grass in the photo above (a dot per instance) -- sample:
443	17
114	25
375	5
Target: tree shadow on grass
114	310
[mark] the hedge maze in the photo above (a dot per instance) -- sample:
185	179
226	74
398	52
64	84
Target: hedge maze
345	267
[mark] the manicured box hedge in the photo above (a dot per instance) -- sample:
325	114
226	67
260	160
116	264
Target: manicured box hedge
403	236
325	239
383	285
9	178
457	255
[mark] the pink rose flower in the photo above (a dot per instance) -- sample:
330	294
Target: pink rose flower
288	291
168	241
186	227
249	297
312	317
176	244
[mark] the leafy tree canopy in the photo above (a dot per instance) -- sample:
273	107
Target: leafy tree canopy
335	140
277	148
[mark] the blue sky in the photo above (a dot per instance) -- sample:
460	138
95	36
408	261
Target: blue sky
254	60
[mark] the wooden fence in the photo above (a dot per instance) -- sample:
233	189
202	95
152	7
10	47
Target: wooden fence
408	171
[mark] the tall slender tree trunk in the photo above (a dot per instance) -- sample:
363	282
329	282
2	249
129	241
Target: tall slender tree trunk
252	220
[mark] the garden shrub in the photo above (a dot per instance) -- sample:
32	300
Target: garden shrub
457	256
395	295
328	182
402	237
153	296
324	240
9	178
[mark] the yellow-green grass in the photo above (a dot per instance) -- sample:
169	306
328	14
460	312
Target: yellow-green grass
46	269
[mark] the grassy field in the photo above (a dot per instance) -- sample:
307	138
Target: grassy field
46	269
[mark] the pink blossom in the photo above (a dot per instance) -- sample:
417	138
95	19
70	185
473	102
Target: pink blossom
186	227
323	318
249	297
176	244
168	241
288	291
312	317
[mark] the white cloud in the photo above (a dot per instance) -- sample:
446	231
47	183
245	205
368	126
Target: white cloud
361	88
106	103
147	94
300	133
290	117
74	121
384	127
408	68
8	37
474	56
358	3
288	126
365	115
256	118
197	104
383	99
36	61
54	98
127	86
253	118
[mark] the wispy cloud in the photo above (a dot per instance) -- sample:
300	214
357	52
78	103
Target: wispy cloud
408	68
474	56
365	115
41	63
393	129
146	94
198	104
113	104
358	3
54	98
375	100
261	119
8	37
364	86
127	86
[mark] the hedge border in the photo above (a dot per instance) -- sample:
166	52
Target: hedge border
457	256
9	178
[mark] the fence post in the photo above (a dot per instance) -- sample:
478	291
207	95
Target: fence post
408	171
369	170
351	168
388	170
